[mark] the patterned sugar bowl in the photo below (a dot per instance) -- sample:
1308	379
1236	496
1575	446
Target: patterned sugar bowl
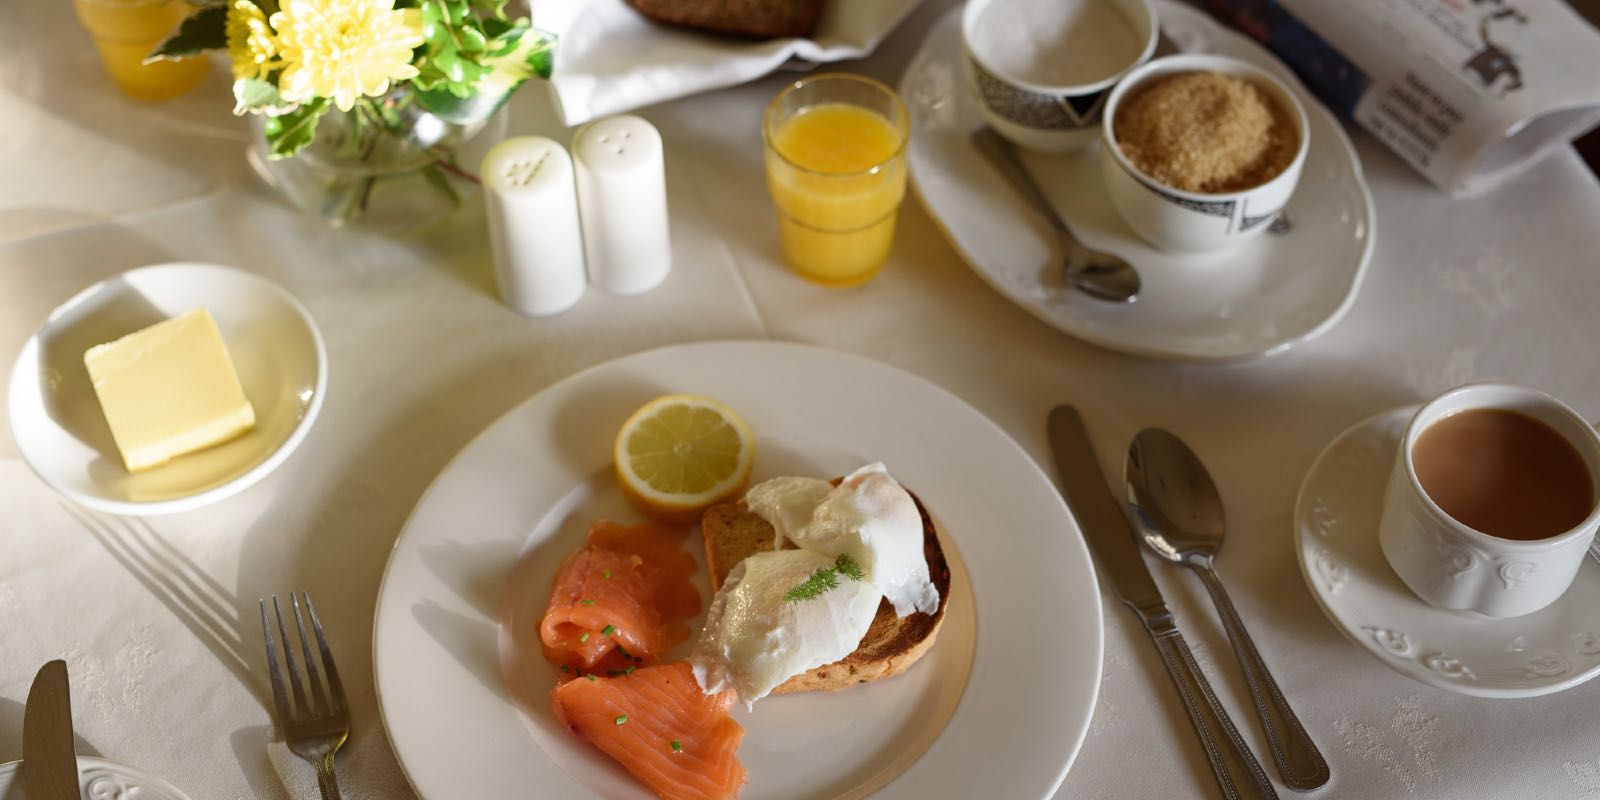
1179	221
999	37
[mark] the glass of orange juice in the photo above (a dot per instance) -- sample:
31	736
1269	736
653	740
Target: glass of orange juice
125	31
836	167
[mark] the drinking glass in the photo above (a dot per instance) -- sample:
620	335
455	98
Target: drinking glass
836	168
125	31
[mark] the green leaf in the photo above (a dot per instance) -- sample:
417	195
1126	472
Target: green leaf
473	40
205	29
254	96
289	133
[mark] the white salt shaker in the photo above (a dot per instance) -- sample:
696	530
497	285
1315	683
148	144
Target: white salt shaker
622	191
533	225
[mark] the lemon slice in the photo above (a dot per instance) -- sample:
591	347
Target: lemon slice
680	454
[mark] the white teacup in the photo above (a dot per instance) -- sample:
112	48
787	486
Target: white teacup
1453	566
1054	116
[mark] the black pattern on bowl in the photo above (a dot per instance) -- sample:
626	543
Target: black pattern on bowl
1247	222
1036	109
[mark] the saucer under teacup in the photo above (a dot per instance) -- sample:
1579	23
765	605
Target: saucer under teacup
99	779
1336	530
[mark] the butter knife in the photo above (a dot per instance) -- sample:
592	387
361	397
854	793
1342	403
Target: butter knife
1111	538
49	765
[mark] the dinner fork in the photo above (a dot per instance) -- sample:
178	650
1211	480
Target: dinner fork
314	729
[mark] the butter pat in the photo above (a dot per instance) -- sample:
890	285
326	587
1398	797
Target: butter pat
169	389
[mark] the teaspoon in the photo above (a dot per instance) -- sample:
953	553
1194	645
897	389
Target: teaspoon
1178	513
1100	275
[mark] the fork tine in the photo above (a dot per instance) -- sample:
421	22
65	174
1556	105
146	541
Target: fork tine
334	686
318	697
288	655
274	673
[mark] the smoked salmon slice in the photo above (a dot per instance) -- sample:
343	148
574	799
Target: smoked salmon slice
623	599
658	724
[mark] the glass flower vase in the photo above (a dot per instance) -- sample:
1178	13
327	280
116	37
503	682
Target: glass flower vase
387	164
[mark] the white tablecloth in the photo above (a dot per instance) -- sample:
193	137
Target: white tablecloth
157	618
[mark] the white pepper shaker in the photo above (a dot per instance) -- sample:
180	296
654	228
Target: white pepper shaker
622	191
532	206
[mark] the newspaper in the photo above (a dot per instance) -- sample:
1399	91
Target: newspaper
1469	92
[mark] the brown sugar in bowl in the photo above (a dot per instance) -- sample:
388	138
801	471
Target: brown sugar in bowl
1200	151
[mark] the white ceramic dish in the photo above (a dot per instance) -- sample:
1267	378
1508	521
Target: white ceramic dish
1336	530
56	420
1015	670
1039	116
1180	221
1258	299
100	780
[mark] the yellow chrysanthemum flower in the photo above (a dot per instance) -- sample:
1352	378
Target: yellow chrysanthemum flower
251	45
344	49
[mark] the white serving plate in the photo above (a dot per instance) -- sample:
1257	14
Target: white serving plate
1012	679
1257	299
62	434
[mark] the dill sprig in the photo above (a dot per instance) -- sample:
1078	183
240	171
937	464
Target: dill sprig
825	579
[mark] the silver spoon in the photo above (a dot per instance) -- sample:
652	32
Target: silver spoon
1178	513
1099	275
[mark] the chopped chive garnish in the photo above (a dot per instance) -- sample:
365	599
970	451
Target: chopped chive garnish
629	670
622	719
565	668
608	574
608	630
623	652
677	746
585	602
612	673
583	637
591	677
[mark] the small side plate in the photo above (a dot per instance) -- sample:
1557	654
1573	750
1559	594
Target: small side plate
62	435
99	779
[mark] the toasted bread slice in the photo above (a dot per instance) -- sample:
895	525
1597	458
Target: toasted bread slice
892	644
753	19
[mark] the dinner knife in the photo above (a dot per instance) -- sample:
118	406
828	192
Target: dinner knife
49	766
1111	537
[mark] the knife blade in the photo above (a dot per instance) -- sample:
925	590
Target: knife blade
49	766
1117	552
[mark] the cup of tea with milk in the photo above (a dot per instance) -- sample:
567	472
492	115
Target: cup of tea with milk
1491	504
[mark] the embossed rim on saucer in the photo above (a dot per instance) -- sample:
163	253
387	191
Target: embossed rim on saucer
1336	538
1255	300
118	780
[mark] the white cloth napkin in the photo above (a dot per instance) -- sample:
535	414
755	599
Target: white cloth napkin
611	59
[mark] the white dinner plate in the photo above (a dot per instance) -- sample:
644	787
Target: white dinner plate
1260	298
1336	527
62	434
100	780
998	707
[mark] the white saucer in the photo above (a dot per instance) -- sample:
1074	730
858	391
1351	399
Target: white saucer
100	779
1261	298
61	432
1336	527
